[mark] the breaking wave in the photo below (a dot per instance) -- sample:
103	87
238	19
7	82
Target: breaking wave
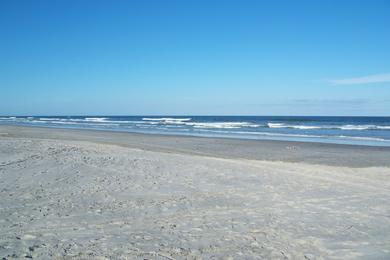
340	127
354	130
164	119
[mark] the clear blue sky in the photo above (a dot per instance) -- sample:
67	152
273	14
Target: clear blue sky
194	57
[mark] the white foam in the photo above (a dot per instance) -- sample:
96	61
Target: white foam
383	127
276	125
357	127
226	125
38	121
84	124
364	138
96	119
341	127
63	123
303	127
364	127
166	119
52	119
125	122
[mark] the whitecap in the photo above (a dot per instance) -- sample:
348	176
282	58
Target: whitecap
226	125
96	119
357	127
166	119
51	119
303	127
383	127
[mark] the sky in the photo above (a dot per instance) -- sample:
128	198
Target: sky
198	57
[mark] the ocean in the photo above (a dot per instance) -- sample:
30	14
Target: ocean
342	130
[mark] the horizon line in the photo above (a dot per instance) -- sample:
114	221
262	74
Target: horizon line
187	115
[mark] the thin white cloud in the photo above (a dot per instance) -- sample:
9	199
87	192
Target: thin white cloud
377	78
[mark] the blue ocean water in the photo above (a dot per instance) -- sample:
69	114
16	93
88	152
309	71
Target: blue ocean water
344	130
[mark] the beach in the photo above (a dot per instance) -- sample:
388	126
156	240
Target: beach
83	194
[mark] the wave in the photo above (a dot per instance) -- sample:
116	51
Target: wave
384	127
52	119
107	120
89	119
64	123
96	119
303	127
124	122
92	123
185	121
348	131
358	127
166	119
339	127
38	121
226	125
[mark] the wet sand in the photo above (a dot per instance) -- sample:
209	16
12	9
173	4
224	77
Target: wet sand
312	153
91	194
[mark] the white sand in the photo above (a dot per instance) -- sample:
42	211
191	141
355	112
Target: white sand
81	199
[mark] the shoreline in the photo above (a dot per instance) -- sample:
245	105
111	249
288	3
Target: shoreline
199	126
355	156
86	194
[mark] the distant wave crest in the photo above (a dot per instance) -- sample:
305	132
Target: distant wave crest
279	125
227	125
186	122
340	127
166	119
96	119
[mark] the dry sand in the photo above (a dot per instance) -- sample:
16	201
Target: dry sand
72	194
